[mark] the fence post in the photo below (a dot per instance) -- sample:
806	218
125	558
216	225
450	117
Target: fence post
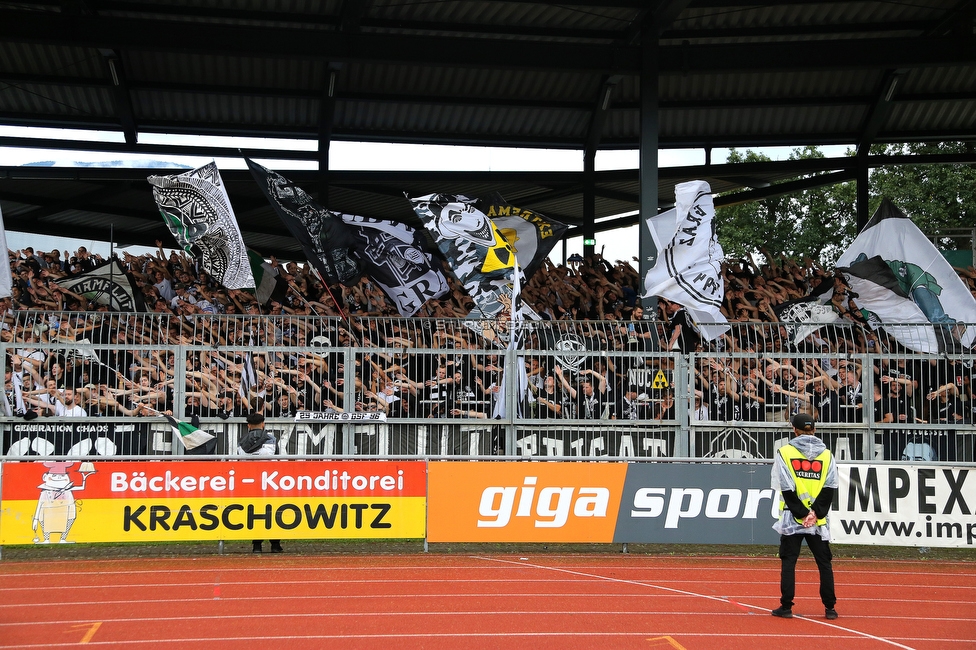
867	407
684	394
179	395
512	398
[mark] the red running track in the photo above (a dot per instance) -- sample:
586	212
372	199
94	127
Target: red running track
504	602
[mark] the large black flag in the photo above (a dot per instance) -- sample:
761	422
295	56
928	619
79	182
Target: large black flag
326	240
391	255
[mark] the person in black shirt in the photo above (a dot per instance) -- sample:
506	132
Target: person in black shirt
684	335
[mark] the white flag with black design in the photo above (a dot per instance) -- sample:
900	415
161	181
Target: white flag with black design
905	285
689	271
478	254
197	211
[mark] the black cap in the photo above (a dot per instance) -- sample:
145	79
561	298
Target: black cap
803	422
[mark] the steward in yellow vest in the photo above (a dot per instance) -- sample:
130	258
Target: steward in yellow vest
806	477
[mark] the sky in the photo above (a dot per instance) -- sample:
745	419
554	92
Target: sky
621	244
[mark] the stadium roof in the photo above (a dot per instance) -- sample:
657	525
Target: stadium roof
515	73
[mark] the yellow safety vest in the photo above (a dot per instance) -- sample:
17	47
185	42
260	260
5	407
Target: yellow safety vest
808	475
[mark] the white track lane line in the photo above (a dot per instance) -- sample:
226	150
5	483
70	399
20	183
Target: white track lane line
691	593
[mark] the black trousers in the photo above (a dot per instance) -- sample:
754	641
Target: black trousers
789	551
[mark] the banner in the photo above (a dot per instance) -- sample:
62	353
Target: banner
41	438
689	271
325	239
197	211
93	501
479	256
905	505
391	256
106	284
690	503
687	504
898	277
523	502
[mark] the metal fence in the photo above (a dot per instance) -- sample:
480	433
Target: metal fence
97	383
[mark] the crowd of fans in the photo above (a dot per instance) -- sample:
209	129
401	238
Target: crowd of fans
758	371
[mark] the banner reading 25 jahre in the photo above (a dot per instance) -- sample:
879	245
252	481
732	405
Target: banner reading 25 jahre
107	501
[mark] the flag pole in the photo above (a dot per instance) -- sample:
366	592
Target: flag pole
111	261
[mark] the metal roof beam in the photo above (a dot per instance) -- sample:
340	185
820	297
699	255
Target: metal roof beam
121	98
779	189
880	111
352	15
155	35
831	29
47	209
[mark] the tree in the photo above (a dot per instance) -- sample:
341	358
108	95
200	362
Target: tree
818	223
936	197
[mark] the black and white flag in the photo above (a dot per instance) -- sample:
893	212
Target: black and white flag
477	253
197	211
106	284
391	256
689	269
531	234
905	285
804	316
325	239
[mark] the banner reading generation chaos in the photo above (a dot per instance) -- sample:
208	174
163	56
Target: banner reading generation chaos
63	501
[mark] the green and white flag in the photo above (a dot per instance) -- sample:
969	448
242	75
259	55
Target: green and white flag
904	284
191	436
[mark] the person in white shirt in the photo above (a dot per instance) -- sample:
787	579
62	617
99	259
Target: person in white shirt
65	405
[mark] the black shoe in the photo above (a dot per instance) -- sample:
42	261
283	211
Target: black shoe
830	614
276	548
256	547
783	612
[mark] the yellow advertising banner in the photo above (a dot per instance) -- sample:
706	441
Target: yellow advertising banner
523	502
160	501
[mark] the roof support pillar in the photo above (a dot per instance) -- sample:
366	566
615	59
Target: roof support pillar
861	201
649	124
326	119
589	202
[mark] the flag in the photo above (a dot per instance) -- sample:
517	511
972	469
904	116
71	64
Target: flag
106	284
325	239
390	255
689	270
804	316
479	256
531	234
197	211
191	436
265	277
6	280
899	278
248	375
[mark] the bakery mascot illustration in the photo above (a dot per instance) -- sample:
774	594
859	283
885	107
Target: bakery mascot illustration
56	509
